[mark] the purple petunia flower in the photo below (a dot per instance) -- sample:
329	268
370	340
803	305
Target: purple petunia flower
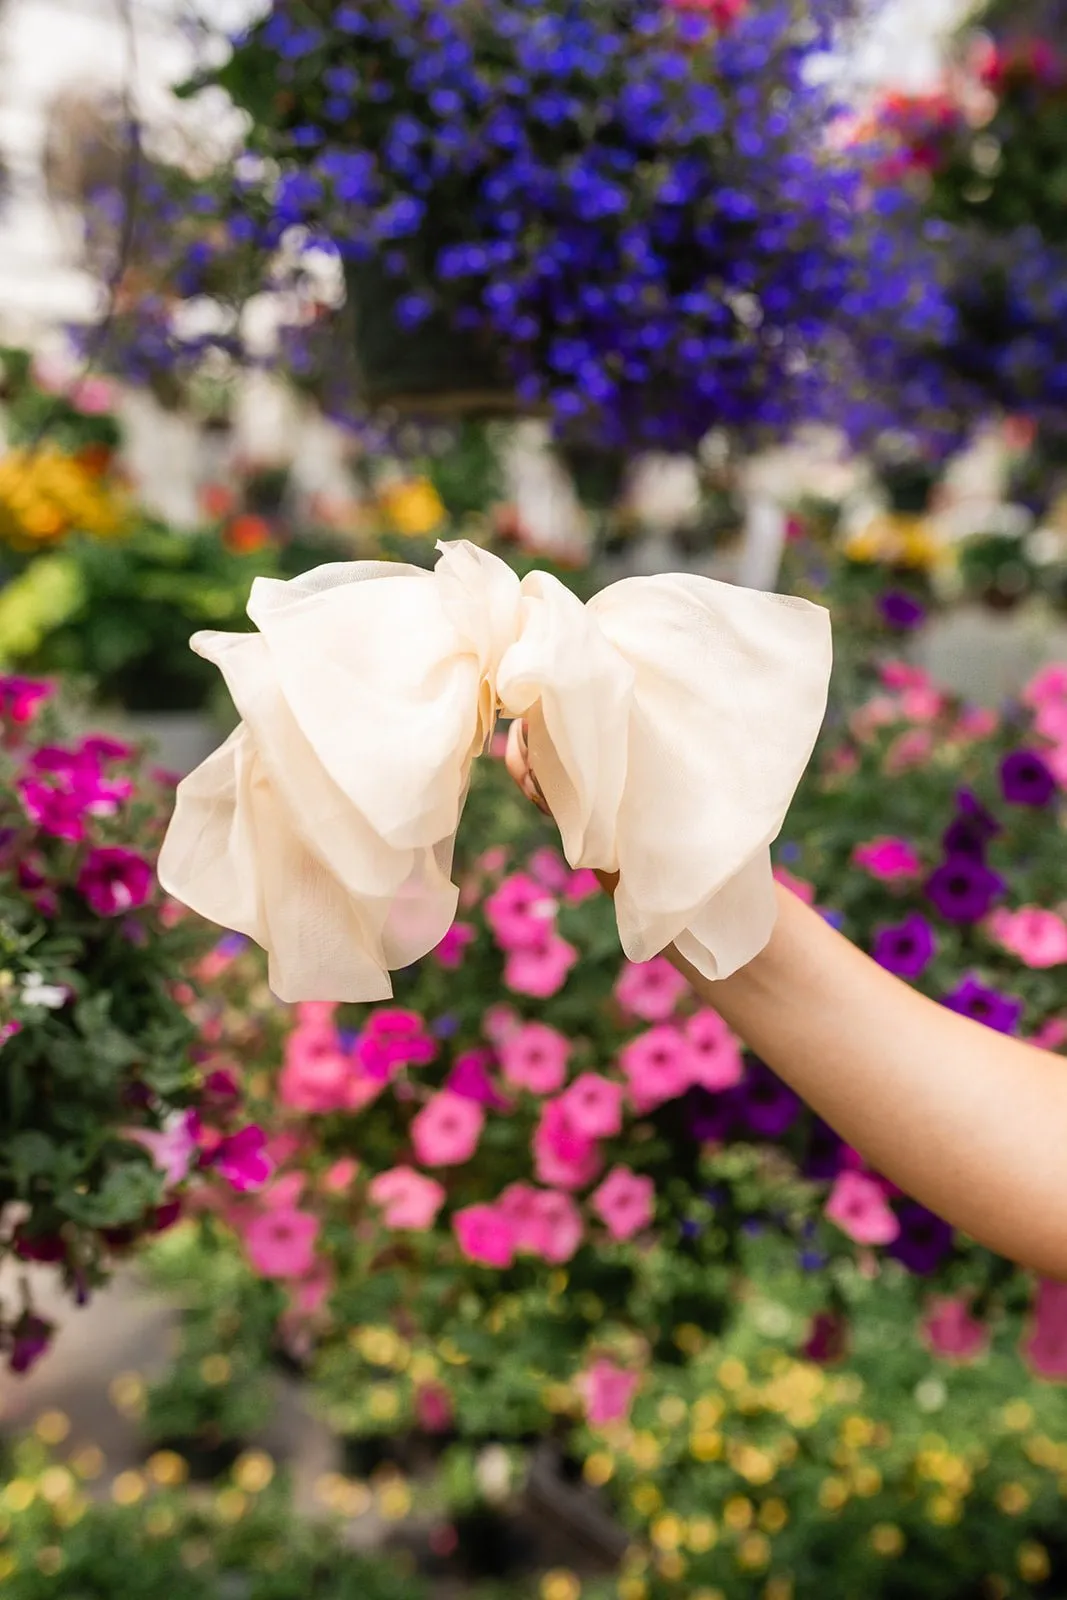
765	1104
32	1336
1026	780
906	948
963	889
971	808
1001	1012
711	1118
826	1152
901	611
924	1240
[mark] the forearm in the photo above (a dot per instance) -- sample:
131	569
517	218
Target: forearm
969	1122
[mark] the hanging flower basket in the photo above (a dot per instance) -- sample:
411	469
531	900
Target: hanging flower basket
433	371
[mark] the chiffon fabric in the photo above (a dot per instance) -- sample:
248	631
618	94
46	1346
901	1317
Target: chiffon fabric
670	720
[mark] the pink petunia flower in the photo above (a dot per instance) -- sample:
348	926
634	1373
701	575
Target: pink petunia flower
563	1158
1051	1035
113	881
909	750
545	1222
608	1392
950	1331
714	1051
485	1235
21	698
535	1058
624	1202
450	952
887	859
500	1022
316	1073
899	675
520	912
1045	1344
446	1131
658	1065
650	990
242	1159
173	1149
1047	686
1038	937
409	1199
339	1178
922	703
540	969
803	890
858	1206
593	1106
976	722
550	870
1051	721
581	885
285	1192
281	1243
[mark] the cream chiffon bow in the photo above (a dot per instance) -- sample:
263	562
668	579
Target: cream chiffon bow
670	720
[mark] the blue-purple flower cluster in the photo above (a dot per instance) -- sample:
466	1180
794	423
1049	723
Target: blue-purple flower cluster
632	210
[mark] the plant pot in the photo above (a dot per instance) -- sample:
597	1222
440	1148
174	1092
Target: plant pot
431	371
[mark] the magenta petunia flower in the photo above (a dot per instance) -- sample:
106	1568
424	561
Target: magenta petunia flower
114	880
21	698
593	1106
485	1235
563	1157
242	1159
888	859
658	1065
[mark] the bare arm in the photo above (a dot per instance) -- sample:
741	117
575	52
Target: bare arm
971	1123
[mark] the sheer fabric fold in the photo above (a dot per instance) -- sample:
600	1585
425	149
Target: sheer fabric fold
670	721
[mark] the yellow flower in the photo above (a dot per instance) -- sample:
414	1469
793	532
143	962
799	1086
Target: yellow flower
646	1499
599	1468
413	509
944	1510
560	1585
754	1552
160	1522
52	1427
127	1393
779	1588
645	1451
706	1446
88	1463
394	1500
754	1465
632	1589
689	1338
733	1374
50	1560
253	1471
1017	1416
668	1531
701	1535
128	1488
672	1411
857	1431
383	1403
887	1539
833	1494
866	1481
774	1514
1013	1499
19	1495
230	1505
738	1513
1033	1562
55	1484
216	1370
168	1469
8	1565
671	1566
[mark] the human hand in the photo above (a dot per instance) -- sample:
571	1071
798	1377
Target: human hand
517	761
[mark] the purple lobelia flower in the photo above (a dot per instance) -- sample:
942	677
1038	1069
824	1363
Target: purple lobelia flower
901	611
1002	1012
963	889
924	1240
1026	780
906	948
